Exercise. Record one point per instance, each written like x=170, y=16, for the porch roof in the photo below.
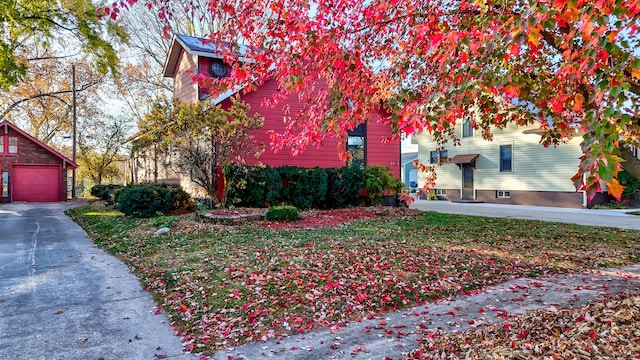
x=464, y=159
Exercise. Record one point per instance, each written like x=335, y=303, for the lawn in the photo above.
x=226, y=285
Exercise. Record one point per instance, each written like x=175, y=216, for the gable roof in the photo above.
x=4, y=124
x=197, y=46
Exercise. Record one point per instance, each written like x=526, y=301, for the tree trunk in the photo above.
x=631, y=163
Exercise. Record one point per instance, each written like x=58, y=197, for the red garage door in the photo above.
x=35, y=183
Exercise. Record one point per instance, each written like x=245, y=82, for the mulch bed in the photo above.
x=313, y=219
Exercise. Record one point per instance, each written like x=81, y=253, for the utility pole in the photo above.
x=73, y=171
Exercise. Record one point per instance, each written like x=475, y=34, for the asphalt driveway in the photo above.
x=63, y=298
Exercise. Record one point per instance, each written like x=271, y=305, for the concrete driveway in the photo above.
x=63, y=298
x=610, y=218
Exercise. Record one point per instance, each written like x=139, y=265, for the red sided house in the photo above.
x=30, y=170
x=189, y=56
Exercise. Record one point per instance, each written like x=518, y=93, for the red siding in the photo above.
x=324, y=156
x=378, y=152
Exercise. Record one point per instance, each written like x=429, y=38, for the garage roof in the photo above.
x=4, y=125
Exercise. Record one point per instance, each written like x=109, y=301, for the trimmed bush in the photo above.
x=343, y=186
x=253, y=185
x=304, y=188
x=145, y=200
x=282, y=213
x=107, y=192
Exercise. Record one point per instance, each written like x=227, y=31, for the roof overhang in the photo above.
x=208, y=50
x=462, y=159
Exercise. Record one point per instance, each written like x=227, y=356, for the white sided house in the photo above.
x=512, y=169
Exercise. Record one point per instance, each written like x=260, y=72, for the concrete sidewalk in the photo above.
x=610, y=218
x=393, y=334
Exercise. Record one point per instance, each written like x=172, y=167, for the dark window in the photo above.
x=217, y=69
x=505, y=158
x=356, y=146
x=436, y=157
x=443, y=156
x=467, y=128
x=433, y=157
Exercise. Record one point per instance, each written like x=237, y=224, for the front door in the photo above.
x=467, y=182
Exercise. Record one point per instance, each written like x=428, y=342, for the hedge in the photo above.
x=146, y=200
x=107, y=192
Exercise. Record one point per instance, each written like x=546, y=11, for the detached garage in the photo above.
x=30, y=170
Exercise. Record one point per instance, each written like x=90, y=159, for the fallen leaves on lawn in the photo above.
x=227, y=285
x=605, y=328
x=313, y=219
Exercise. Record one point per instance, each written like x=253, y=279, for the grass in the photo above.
x=637, y=213
x=232, y=285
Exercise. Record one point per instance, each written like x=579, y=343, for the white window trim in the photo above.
x=503, y=194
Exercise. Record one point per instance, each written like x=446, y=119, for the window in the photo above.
x=217, y=69
x=436, y=157
x=13, y=145
x=356, y=146
x=5, y=183
x=502, y=194
x=433, y=157
x=505, y=158
x=467, y=128
x=8, y=144
x=440, y=192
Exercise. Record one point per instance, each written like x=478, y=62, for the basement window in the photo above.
x=502, y=194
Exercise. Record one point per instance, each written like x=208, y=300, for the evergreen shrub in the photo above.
x=282, y=213
x=146, y=200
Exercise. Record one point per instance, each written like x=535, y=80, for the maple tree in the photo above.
x=204, y=137
x=571, y=66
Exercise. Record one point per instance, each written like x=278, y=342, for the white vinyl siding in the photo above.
x=534, y=167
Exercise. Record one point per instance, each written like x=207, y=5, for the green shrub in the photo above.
x=253, y=185
x=343, y=186
x=145, y=200
x=282, y=213
x=379, y=182
x=107, y=192
x=302, y=187
x=631, y=184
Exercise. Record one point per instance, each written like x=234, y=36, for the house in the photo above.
x=409, y=166
x=189, y=56
x=31, y=171
x=512, y=169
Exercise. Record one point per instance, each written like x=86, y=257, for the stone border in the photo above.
x=231, y=219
